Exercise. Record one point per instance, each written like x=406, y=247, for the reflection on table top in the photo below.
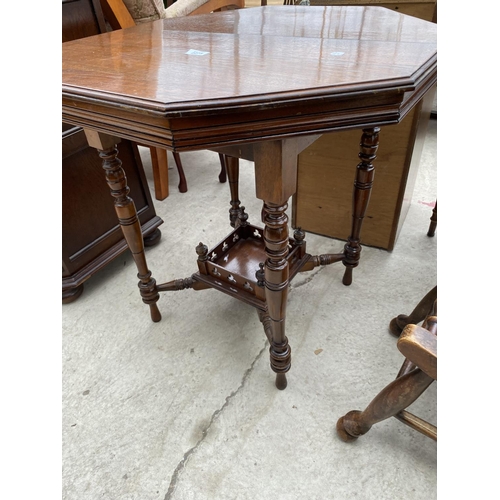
x=260, y=57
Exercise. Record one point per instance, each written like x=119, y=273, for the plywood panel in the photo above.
x=325, y=183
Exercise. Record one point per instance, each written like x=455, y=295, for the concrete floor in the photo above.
x=187, y=408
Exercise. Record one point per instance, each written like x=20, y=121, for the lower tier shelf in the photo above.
x=236, y=265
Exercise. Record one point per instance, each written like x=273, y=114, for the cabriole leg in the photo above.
x=182, y=177
x=223, y=169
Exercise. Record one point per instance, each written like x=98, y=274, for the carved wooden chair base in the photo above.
x=418, y=314
x=419, y=346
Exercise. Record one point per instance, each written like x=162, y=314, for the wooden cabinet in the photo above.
x=423, y=9
x=326, y=169
x=91, y=235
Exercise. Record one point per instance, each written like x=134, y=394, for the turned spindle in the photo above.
x=362, y=189
x=276, y=281
x=127, y=215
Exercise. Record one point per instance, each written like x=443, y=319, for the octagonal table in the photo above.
x=261, y=84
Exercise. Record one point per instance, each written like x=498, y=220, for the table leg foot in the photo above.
x=281, y=381
x=155, y=313
x=280, y=353
x=347, y=278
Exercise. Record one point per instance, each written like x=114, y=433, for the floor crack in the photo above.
x=307, y=280
x=180, y=466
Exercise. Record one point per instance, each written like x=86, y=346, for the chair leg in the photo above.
x=233, y=174
x=416, y=316
x=223, y=169
x=159, y=164
x=160, y=172
x=394, y=398
x=182, y=178
x=434, y=219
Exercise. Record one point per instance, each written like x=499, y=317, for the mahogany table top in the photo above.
x=250, y=74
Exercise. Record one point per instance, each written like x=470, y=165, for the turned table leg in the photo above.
x=361, y=196
x=127, y=215
x=275, y=182
x=276, y=286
